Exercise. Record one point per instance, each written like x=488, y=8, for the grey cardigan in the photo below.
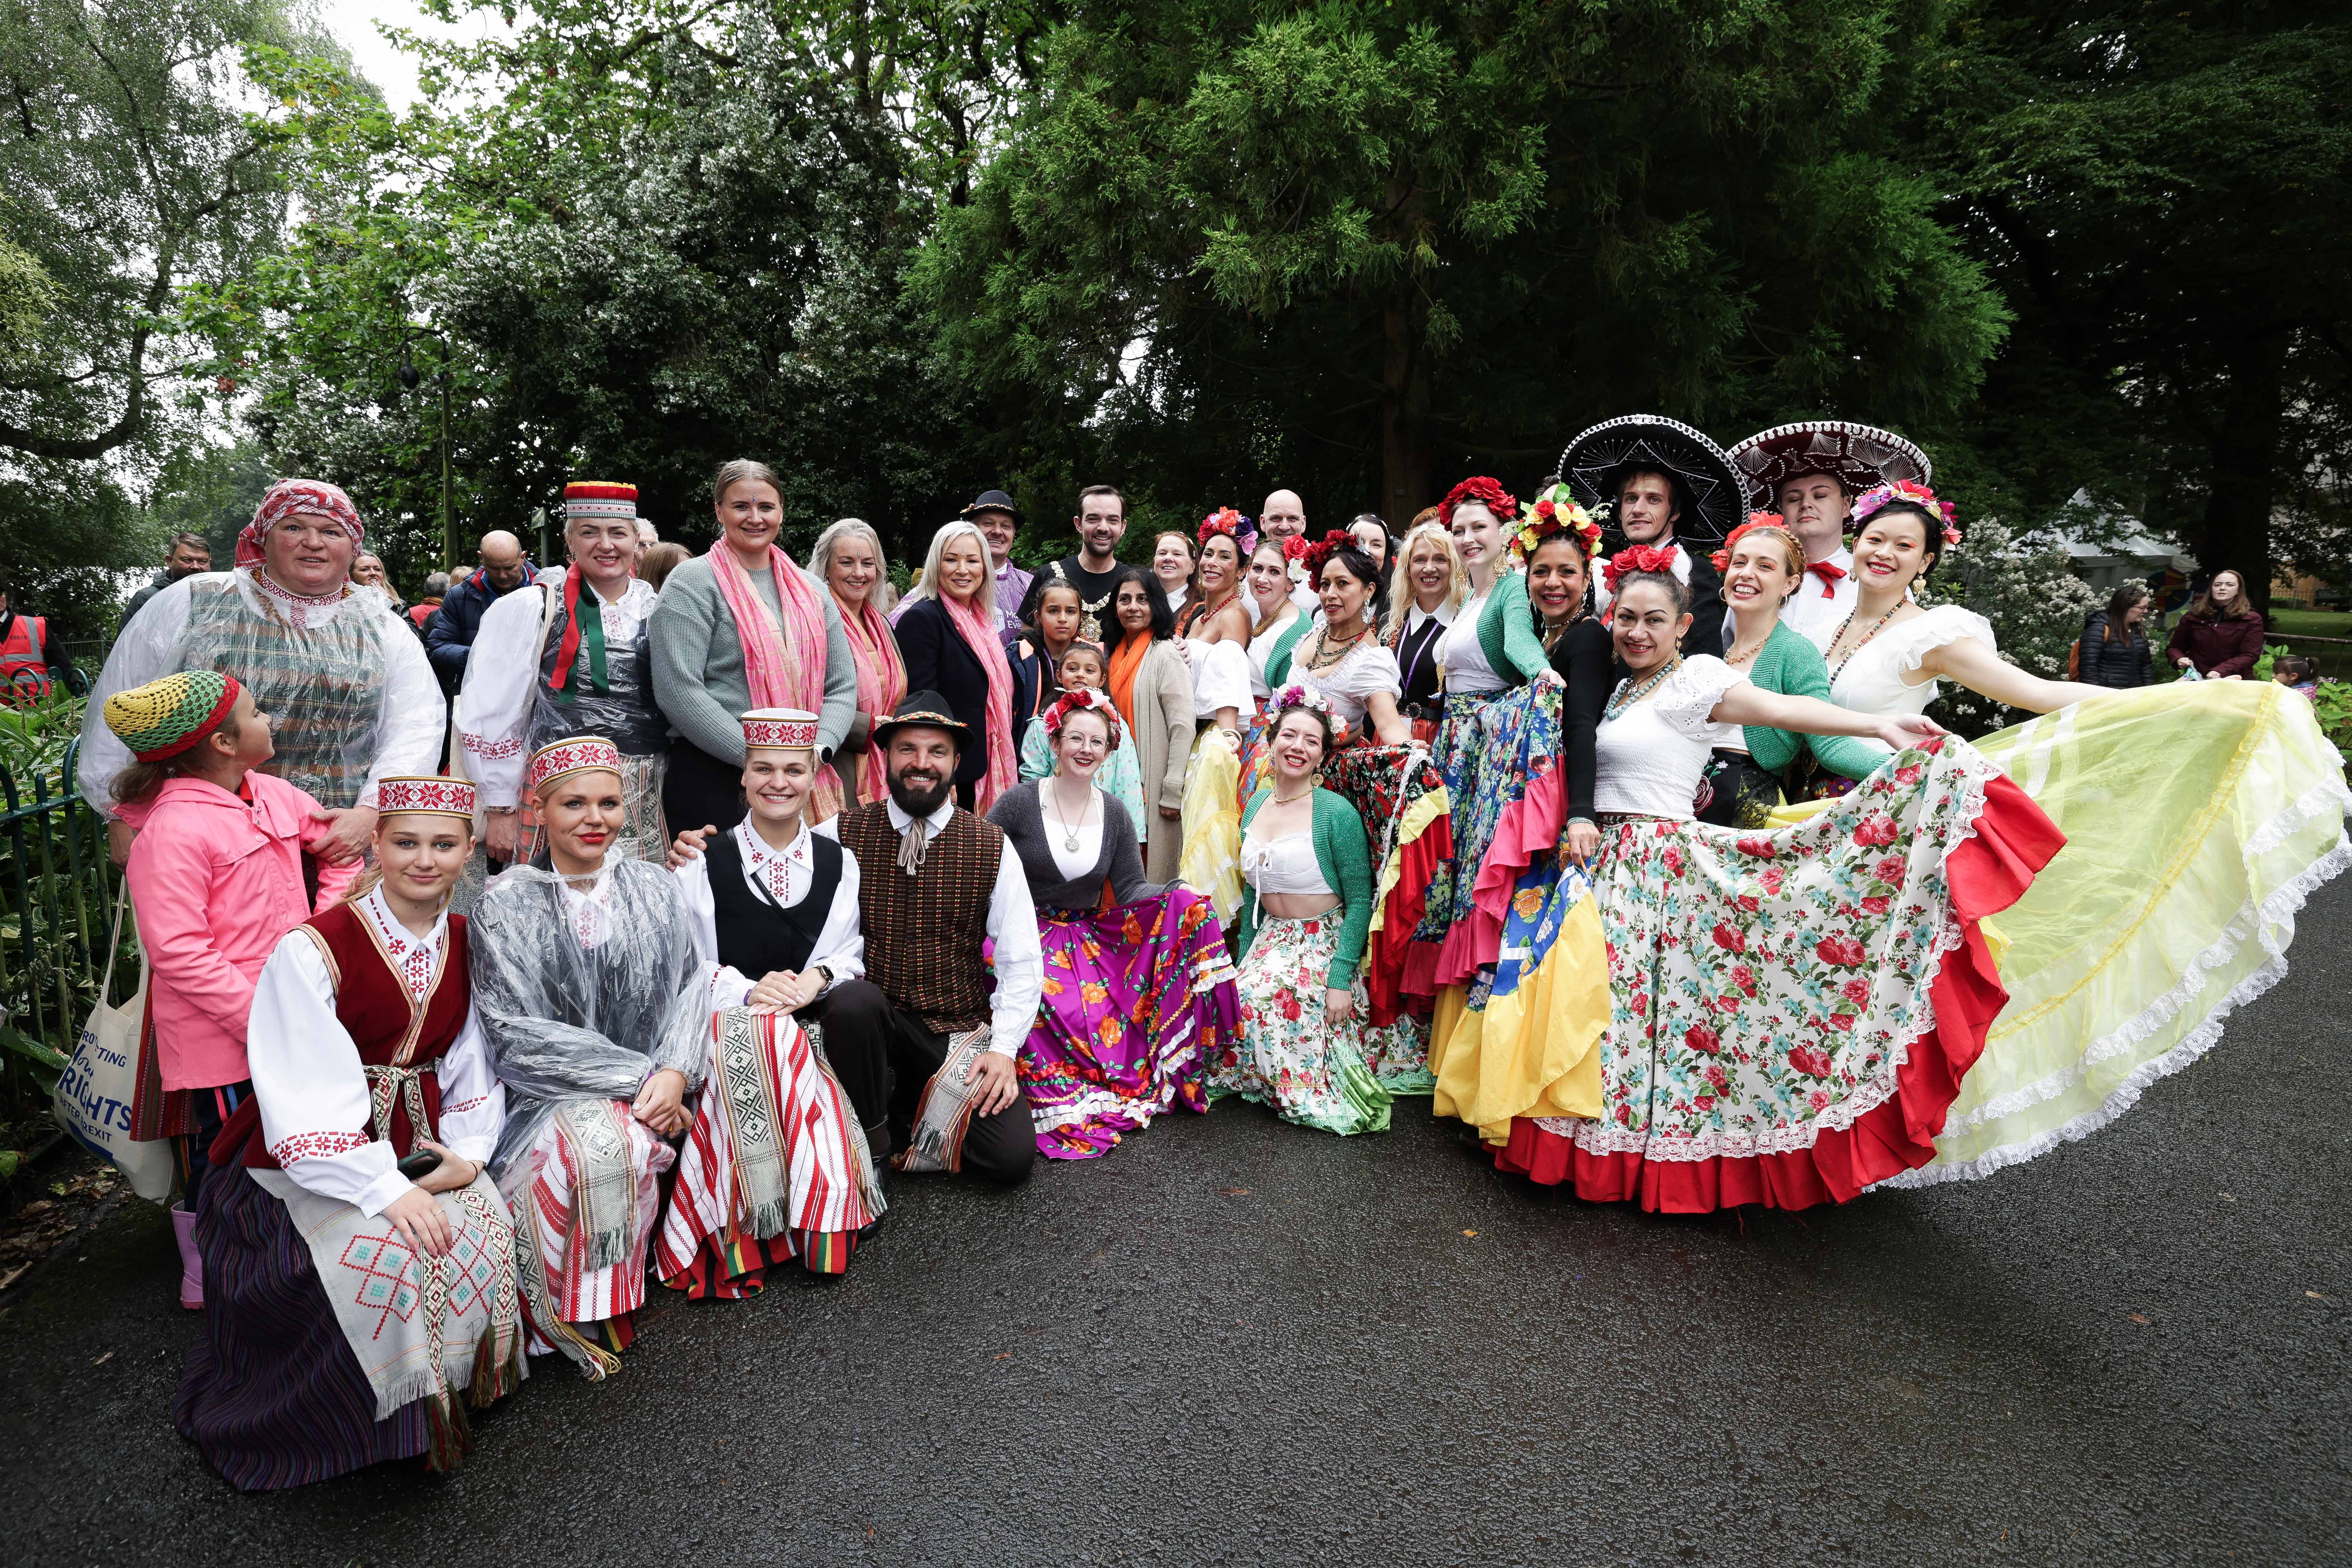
x=697, y=658
x=1021, y=814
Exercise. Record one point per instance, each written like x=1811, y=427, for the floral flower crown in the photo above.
x=1918, y=495
x=1085, y=699
x=1758, y=523
x=1487, y=492
x=1318, y=554
x=1636, y=560
x=1241, y=529
x=1556, y=511
x=1298, y=694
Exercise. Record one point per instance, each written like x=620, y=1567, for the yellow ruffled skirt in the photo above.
x=1211, y=863
x=2198, y=818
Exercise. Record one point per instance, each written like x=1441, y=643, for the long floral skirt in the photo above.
x=1138, y=1000
x=1287, y=1054
x=1490, y=753
x=1793, y=1011
x=1211, y=858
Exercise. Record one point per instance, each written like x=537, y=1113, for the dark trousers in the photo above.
x=700, y=791
x=208, y=1111
x=856, y=1021
x=999, y=1148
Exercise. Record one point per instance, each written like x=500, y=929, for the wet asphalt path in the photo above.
x=1238, y=1342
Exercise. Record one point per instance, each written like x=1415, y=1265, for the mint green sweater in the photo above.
x=1507, y=631
x=1344, y=855
x=1793, y=667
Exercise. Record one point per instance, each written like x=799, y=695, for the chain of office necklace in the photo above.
x=1626, y=698
x=1321, y=662
x=1876, y=626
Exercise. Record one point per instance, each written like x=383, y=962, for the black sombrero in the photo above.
x=1713, y=495
x=922, y=710
x=1859, y=456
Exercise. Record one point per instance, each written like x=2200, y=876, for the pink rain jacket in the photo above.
x=216, y=879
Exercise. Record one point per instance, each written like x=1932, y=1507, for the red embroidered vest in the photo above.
x=372, y=1003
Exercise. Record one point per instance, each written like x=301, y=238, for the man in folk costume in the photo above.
x=350, y=696
x=935, y=883
x=360, y=1267
x=543, y=668
x=596, y=1010
x=1810, y=473
x=779, y=1162
x=1656, y=482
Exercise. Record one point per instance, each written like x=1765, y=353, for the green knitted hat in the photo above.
x=165, y=718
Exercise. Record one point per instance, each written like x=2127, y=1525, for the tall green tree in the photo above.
x=1364, y=246
x=2164, y=194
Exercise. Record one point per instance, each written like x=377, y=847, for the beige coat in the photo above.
x=1164, y=738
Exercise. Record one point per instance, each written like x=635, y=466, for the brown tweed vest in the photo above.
x=923, y=933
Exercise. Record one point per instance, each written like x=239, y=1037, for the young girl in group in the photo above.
x=216, y=877
x=1120, y=776
x=1036, y=655
x=361, y=1265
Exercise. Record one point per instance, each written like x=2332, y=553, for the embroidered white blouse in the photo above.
x=502, y=673
x=1463, y=657
x=783, y=876
x=1365, y=671
x=312, y=1090
x=1651, y=756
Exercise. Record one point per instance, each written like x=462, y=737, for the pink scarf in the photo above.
x=777, y=678
x=881, y=682
x=1004, y=770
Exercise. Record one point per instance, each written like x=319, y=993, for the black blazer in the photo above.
x=938, y=659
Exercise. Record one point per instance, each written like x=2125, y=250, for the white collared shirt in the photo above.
x=1013, y=926
x=784, y=876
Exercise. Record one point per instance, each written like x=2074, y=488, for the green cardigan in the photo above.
x=1507, y=631
x=1277, y=658
x=1344, y=855
x=1791, y=666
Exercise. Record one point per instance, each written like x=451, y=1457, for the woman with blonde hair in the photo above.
x=948, y=635
x=1426, y=585
x=743, y=628
x=847, y=559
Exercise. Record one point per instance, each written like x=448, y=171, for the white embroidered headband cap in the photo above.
x=785, y=729
x=431, y=795
x=573, y=754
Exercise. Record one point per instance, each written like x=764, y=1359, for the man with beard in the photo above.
x=1101, y=524
x=935, y=882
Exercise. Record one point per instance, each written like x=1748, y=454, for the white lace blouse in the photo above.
x=1221, y=677
x=1369, y=669
x=1652, y=755
x=1463, y=657
x=1871, y=681
x=1284, y=865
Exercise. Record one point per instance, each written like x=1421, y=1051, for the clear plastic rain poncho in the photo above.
x=585, y=997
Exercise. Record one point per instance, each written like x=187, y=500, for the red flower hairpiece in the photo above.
x=1635, y=560
x=1295, y=547
x=1318, y=554
x=1487, y=492
x=1556, y=511
x=1755, y=521
x=1087, y=699
x=1233, y=526
x=1919, y=495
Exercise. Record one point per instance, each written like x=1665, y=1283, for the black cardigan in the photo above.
x=1585, y=658
x=938, y=659
x=1706, y=635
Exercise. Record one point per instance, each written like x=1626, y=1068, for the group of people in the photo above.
x=1614, y=822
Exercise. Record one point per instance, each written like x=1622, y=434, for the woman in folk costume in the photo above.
x=1792, y=1012
x=1085, y=667
x=362, y=1266
x=1213, y=634
x=597, y=1012
x=743, y=628
x=1501, y=1042
x=543, y=667
x=349, y=691
x=1307, y=1047
x=1277, y=625
x=2199, y=816
x=1138, y=991
x=1427, y=585
x=1377, y=767
x=778, y=1163
x=847, y=560
x=1153, y=687
x=1763, y=569
x=1810, y=472
x=948, y=633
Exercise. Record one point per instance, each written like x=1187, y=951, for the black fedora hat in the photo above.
x=922, y=710
x=992, y=500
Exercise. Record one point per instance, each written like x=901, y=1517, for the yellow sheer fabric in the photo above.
x=1212, y=859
